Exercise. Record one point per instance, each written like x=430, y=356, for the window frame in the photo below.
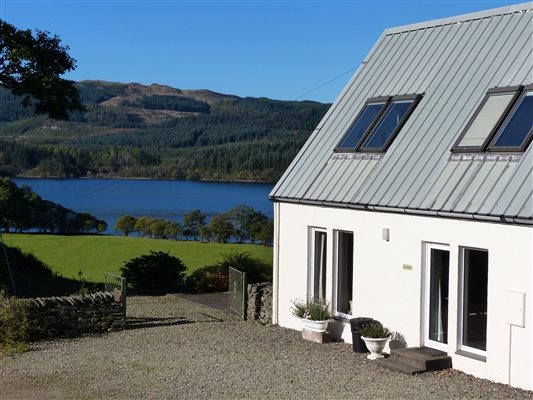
x=444, y=346
x=516, y=102
x=311, y=271
x=483, y=148
x=382, y=99
x=335, y=293
x=416, y=99
x=461, y=304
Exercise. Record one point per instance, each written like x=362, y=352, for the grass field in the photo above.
x=94, y=255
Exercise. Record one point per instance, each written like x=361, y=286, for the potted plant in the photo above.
x=314, y=313
x=375, y=336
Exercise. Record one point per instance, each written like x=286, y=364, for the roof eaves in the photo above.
x=516, y=220
x=523, y=7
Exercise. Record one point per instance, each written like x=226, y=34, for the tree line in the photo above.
x=17, y=158
x=240, y=224
x=229, y=139
x=22, y=209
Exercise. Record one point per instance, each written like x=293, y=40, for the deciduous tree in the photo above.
x=125, y=224
x=31, y=65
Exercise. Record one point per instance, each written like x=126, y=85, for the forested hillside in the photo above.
x=131, y=130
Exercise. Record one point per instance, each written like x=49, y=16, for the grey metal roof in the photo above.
x=453, y=62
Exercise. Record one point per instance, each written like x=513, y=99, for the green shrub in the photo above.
x=374, y=330
x=157, y=271
x=211, y=278
x=215, y=278
x=14, y=323
x=256, y=270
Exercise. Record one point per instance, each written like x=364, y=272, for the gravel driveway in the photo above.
x=176, y=349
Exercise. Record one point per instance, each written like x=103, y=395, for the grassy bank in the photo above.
x=94, y=255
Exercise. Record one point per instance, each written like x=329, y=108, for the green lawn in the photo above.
x=95, y=255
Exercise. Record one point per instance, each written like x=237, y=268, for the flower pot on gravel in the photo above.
x=314, y=313
x=316, y=326
x=375, y=346
x=375, y=337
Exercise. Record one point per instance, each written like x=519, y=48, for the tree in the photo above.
x=239, y=217
x=266, y=234
x=172, y=230
x=193, y=221
x=221, y=228
x=31, y=65
x=157, y=229
x=205, y=233
x=125, y=224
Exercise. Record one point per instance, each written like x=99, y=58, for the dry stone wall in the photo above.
x=77, y=314
x=260, y=302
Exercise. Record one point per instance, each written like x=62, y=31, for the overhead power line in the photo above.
x=326, y=83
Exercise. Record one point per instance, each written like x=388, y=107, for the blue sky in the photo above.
x=275, y=49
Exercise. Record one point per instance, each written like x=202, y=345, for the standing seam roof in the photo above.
x=453, y=62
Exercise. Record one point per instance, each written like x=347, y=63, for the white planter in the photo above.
x=375, y=346
x=317, y=326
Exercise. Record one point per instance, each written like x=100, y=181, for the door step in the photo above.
x=415, y=360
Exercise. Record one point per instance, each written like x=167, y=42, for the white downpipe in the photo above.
x=275, y=294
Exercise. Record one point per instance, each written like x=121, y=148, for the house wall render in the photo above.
x=388, y=278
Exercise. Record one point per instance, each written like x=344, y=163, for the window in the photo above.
x=344, y=286
x=317, y=270
x=436, y=293
x=362, y=124
x=378, y=123
x=474, y=294
x=517, y=130
x=390, y=124
x=502, y=122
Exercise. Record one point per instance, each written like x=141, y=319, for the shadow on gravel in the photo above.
x=140, y=323
x=146, y=322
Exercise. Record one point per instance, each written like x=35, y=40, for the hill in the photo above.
x=156, y=131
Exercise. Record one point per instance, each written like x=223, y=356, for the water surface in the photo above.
x=109, y=199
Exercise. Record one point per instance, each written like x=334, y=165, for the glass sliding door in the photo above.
x=437, y=291
x=317, y=272
x=474, y=296
x=344, y=272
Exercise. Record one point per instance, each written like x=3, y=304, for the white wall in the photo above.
x=386, y=291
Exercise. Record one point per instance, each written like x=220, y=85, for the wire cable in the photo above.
x=326, y=83
x=92, y=192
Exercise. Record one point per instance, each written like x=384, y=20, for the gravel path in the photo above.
x=176, y=349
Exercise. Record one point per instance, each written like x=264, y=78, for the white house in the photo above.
x=412, y=201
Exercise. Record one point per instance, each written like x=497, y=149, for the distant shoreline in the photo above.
x=141, y=179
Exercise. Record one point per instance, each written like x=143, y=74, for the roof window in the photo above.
x=502, y=122
x=516, y=131
x=363, y=122
x=377, y=124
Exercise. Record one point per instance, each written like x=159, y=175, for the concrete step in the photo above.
x=422, y=358
x=398, y=367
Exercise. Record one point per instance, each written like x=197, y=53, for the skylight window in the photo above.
x=502, y=122
x=378, y=123
x=391, y=123
x=362, y=124
x=517, y=130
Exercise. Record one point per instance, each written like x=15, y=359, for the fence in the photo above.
x=117, y=286
x=238, y=294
